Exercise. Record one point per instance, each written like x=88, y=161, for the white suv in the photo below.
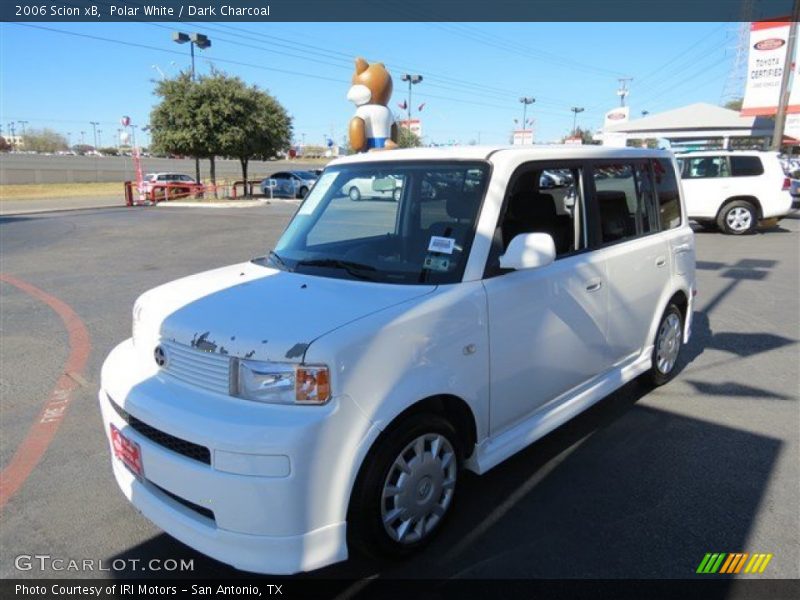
x=277, y=413
x=734, y=190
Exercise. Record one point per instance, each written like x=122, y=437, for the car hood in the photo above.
x=252, y=311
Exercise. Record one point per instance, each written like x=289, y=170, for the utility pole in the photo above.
x=623, y=90
x=575, y=110
x=526, y=100
x=202, y=42
x=788, y=67
x=24, y=138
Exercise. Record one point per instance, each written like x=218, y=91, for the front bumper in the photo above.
x=270, y=494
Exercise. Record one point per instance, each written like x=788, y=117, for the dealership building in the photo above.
x=694, y=126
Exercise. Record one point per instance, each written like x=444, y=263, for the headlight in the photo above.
x=282, y=383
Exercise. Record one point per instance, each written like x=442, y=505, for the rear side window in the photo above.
x=704, y=167
x=669, y=200
x=746, y=166
x=618, y=202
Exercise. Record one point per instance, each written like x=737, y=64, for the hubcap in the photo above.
x=419, y=488
x=739, y=219
x=668, y=343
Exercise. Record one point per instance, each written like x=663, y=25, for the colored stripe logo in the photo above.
x=733, y=563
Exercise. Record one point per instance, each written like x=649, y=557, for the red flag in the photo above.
x=402, y=105
x=421, y=106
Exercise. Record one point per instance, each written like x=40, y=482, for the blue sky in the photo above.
x=474, y=73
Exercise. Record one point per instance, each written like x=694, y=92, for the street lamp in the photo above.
x=412, y=80
x=23, y=123
x=525, y=100
x=202, y=42
x=575, y=110
x=83, y=134
x=94, y=125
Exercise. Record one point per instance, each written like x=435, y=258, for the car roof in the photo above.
x=541, y=152
x=726, y=153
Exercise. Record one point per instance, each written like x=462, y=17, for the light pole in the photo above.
x=83, y=139
x=525, y=100
x=412, y=80
x=23, y=123
x=575, y=110
x=94, y=125
x=13, y=136
x=69, y=140
x=99, y=138
x=119, y=135
x=202, y=42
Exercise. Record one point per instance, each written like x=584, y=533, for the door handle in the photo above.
x=661, y=261
x=594, y=286
x=682, y=248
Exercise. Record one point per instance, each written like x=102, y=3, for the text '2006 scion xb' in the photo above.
x=277, y=413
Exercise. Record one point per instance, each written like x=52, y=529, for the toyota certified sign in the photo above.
x=769, y=44
x=616, y=116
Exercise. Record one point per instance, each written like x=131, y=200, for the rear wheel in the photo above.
x=302, y=192
x=667, y=346
x=355, y=194
x=738, y=218
x=406, y=488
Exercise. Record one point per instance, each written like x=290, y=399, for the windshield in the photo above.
x=392, y=222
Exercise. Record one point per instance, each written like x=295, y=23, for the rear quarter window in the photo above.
x=669, y=199
x=746, y=166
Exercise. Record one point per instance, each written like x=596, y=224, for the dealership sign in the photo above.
x=617, y=116
x=766, y=61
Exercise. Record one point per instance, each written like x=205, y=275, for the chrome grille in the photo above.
x=207, y=370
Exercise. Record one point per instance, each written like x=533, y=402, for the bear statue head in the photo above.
x=372, y=84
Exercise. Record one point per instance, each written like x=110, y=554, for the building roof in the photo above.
x=694, y=120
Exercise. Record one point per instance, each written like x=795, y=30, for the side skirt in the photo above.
x=495, y=450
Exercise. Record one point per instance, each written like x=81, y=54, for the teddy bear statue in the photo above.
x=373, y=126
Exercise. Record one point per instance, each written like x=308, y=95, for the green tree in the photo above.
x=407, y=138
x=43, y=140
x=735, y=104
x=248, y=123
x=174, y=123
x=585, y=134
x=4, y=145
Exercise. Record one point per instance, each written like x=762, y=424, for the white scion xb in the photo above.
x=277, y=413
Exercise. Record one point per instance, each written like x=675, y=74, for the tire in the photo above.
x=397, y=194
x=355, y=194
x=707, y=225
x=738, y=218
x=425, y=494
x=666, y=347
x=302, y=192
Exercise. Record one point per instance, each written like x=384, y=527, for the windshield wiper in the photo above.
x=353, y=268
x=273, y=256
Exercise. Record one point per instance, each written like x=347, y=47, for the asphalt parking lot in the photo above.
x=640, y=486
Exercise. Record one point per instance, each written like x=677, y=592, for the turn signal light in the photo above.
x=312, y=384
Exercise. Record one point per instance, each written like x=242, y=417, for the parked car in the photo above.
x=171, y=185
x=281, y=413
x=734, y=190
x=291, y=184
x=365, y=188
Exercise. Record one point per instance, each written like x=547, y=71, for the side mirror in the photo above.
x=529, y=251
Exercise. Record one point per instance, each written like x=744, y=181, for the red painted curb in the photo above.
x=44, y=429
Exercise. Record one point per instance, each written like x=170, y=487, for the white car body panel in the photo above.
x=279, y=477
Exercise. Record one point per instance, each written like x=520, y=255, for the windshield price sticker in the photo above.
x=442, y=245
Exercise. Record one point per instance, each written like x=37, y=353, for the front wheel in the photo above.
x=355, y=194
x=302, y=192
x=667, y=346
x=406, y=488
x=738, y=218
